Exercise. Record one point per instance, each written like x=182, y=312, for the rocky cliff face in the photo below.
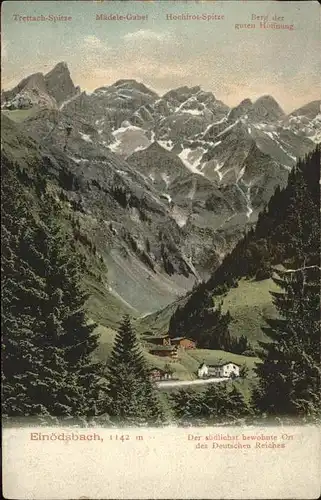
x=44, y=91
x=59, y=84
x=165, y=185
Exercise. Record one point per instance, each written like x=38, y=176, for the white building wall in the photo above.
x=203, y=371
x=215, y=372
x=222, y=371
x=231, y=369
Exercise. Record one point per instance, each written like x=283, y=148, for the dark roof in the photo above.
x=159, y=370
x=157, y=337
x=182, y=338
x=163, y=348
x=223, y=364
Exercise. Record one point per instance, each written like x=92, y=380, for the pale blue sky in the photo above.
x=232, y=63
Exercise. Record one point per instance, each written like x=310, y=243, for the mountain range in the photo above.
x=164, y=186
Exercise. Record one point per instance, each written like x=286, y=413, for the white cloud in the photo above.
x=146, y=35
x=93, y=42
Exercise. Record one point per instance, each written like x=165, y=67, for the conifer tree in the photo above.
x=236, y=406
x=215, y=402
x=33, y=374
x=214, y=405
x=133, y=399
x=202, y=321
x=188, y=407
x=289, y=376
x=47, y=365
x=21, y=291
x=67, y=328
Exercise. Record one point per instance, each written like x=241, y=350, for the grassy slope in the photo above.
x=18, y=115
x=157, y=323
x=185, y=367
x=213, y=357
x=103, y=307
x=248, y=304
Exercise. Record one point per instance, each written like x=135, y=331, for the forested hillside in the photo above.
x=49, y=367
x=47, y=340
x=275, y=241
x=285, y=245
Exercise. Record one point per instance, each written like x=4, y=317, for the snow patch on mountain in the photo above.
x=166, y=144
x=166, y=178
x=140, y=148
x=269, y=134
x=240, y=174
x=122, y=172
x=217, y=169
x=222, y=120
x=134, y=214
x=192, y=192
x=285, y=151
x=189, y=100
x=249, y=209
x=247, y=195
x=85, y=137
x=78, y=160
x=316, y=137
x=129, y=139
x=194, y=112
x=228, y=128
x=67, y=101
x=191, y=159
x=180, y=216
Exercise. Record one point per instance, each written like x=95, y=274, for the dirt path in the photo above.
x=185, y=383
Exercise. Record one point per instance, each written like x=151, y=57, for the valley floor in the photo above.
x=185, y=367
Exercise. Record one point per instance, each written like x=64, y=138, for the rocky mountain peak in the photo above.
x=36, y=80
x=181, y=94
x=266, y=99
x=245, y=103
x=175, y=179
x=31, y=91
x=61, y=66
x=245, y=107
x=134, y=85
x=59, y=83
x=45, y=91
x=310, y=110
x=267, y=107
x=264, y=109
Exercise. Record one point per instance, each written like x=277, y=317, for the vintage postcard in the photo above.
x=160, y=200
